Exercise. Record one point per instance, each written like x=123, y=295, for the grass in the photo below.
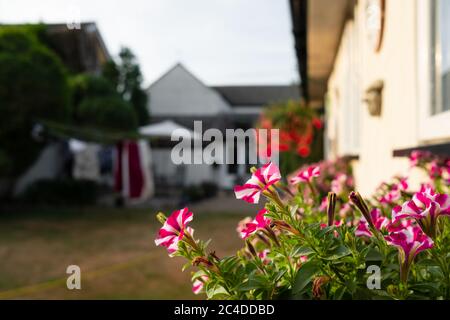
x=113, y=247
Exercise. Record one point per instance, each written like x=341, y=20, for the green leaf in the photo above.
x=431, y=288
x=339, y=293
x=304, y=276
x=339, y=252
x=427, y=262
x=302, y=251
x=254, y=282
x=185, y=266
x=279, y=275
x=198, y=274
x=293, y=211
x=217, y=292
x=373, y=255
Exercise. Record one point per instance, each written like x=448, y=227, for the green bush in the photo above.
x=209, y=189
x=194, y=193
x=109, y=113
x=62, y=192
x=33, y=85
x=201, y=191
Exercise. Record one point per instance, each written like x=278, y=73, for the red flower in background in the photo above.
x=304, y=151
x=317, y=123
x=297, y=124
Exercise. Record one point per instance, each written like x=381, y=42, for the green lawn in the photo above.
x=113, y=247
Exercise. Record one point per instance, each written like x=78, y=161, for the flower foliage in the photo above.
x=308, y=244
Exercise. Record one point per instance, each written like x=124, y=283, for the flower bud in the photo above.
x=263, y=239
x=331, y=207
x=280, y=224
x=359, y=202
x=161, y=217
x=251, y=248
x=317, y=287
x=201, y=261
x=214, y=256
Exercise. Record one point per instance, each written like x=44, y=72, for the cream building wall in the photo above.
x=352, y=130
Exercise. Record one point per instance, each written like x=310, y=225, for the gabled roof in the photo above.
x=258, y=95
x=179, y=92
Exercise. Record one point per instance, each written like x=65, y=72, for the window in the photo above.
x=441, y=55
x=433, y=57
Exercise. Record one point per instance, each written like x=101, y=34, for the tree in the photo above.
x=127, y=79
x=96, y=104
x=33, y=85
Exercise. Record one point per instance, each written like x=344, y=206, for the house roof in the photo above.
x=179, y=92
x=317, y=28
x=257, y=96
x=81, y=50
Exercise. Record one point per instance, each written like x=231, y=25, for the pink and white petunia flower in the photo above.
x=380, y=222
x=395, y=192
x=199, y=283
x=174, y=229
x=410, y=241
x=425, y=207
x=263, y=256
x=398, y=224
x=338, y=183
x=260, y=222
x=260, y=181
x=306, y=175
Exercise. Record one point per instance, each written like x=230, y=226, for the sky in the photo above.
x=222, y=42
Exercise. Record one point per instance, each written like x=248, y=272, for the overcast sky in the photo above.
x=220, y=41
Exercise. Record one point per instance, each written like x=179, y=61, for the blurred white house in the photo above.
x=181, y=97
x=381, y=70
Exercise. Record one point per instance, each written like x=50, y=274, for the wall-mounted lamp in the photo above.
x=374, y=97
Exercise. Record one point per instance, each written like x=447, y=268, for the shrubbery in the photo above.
x=199, y=192
x=33, y=84
x=62, y=192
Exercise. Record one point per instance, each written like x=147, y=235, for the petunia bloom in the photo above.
x=260, y=181
x=417, y=156
x=395, y=192
x=425, y=207
x=199, y=283
x=263, y=256
x=260, y=222
x=174, y=229
x=306, y=175
x=380, y=222
x=398, y=224
x=338, y=183
x=242, y=223
x=409, y=241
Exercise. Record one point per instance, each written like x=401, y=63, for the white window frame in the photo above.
x=431, y=126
